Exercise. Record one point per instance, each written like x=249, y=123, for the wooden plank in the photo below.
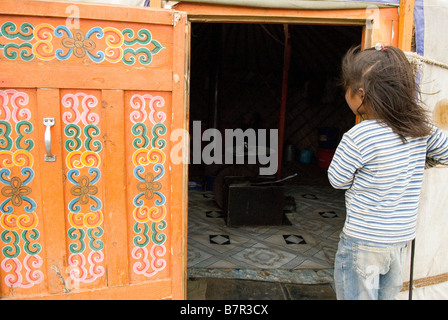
x=217, y=13
x=140, y=291
x=83, y=78
x=427, y=281
x=96, y=11
x=281, y=125
x=366, y=41
x=84, y=219
x=386, y=33
x=155, y=4
x=115, y=178
x=52, y=182
x=406, y=24
x=179, y=172
x=149, y=204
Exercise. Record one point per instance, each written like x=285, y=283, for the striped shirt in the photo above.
x=383, y=177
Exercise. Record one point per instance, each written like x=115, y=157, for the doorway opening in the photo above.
x=236, y=81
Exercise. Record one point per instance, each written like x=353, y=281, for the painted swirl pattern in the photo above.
x=83, y=170
x=20, y=262
x=47, y=42
x=149, y=201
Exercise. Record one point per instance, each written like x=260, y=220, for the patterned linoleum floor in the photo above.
x=309, y=242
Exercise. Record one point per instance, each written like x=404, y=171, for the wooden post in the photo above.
x=179, y=172
x=115, y=179
x=281, y=125
x=405, y=24
x=155, y=3
x=51, y=178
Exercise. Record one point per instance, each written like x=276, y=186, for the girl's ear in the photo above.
x=361, y=93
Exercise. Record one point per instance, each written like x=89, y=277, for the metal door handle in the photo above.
x=48, y=122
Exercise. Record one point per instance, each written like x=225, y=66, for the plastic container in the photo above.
x=305, y=156
x=324, y=157
x=195, y=185
x=289, y=156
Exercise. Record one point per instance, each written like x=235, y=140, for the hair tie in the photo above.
x=380, y=47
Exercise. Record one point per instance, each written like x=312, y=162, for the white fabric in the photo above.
x=431, y=252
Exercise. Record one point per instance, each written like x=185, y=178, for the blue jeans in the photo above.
x=367, y=270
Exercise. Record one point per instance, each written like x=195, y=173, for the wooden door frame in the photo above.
x=392, y=26
x=378, y=26
x=179, y=172
x=404, y=15
x=384, y=29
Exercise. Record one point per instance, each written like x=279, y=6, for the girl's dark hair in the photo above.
x=391, y=91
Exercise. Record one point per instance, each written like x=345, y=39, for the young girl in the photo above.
x=380, y=162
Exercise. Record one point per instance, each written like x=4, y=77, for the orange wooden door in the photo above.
x=91, y=204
